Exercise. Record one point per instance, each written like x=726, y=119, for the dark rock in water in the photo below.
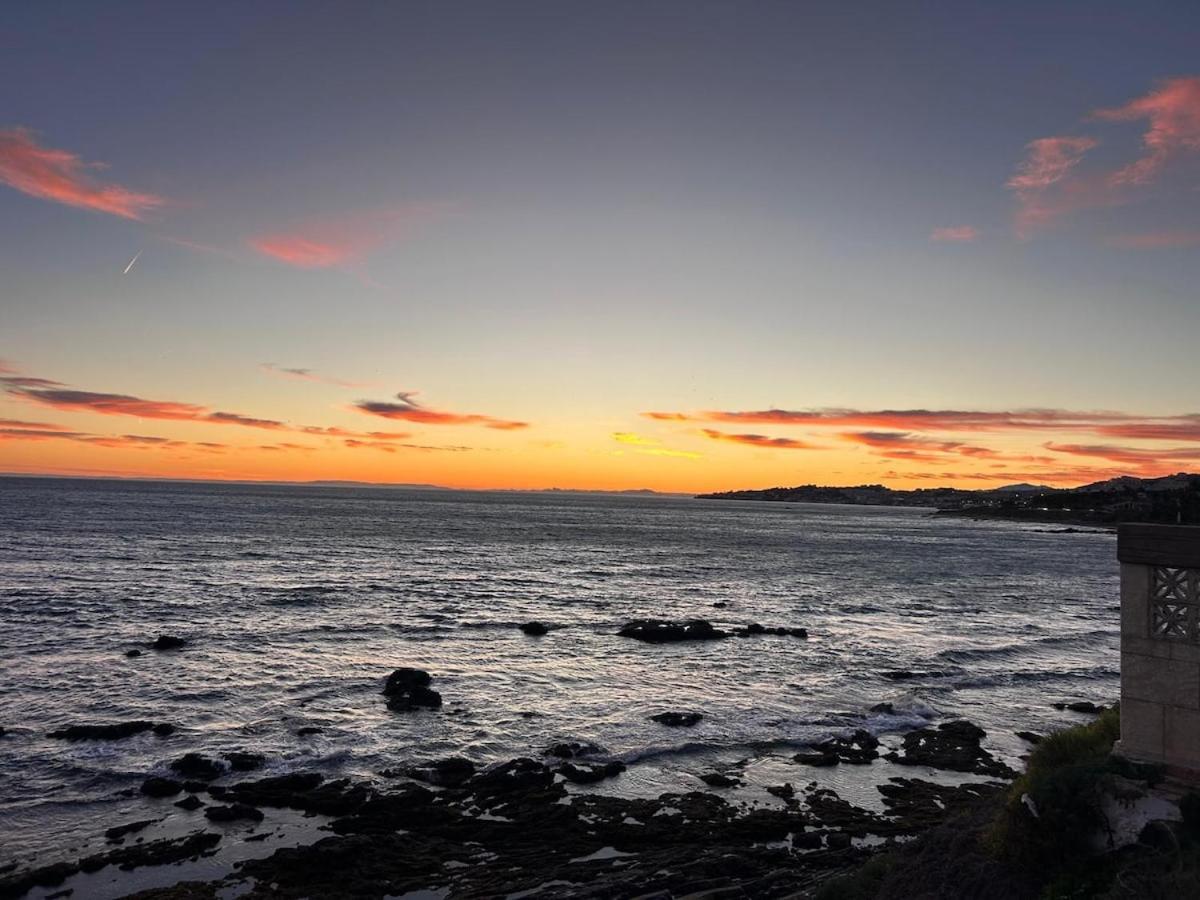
x=241, y=761
x=859, y=748
x=677, y=719
x=153, y=853
x=307, y=730
x=198, y=767
x=45, y=876
x=305, y=791
x=191, y=802
x=719, y=779
x=1030, y=737
x=535, y=629
x=113, y=732
x=817, y=759
x=167, y=642
x=782, y=791
x=837, y=840
x=518, y=775
x=130, y=654
x=572, y=749
x=118, y=833
x=720, y=604
x=408, y=689
x=953, y=746
x=194, y=787
x=232, y=813
x=886, y=709
x=585, y=774
x=154, y=786
x=3, y=732
x=909, y=675
x=1081, y=706
x=659, y=631
x=383, y=814
x=919, y=804
x=449, y=772
x=755, y=629
x=163, y=729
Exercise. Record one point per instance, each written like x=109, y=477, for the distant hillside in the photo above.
x=1171, y=499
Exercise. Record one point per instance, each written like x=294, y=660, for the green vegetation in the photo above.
x=1051, y=854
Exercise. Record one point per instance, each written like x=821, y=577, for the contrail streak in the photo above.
x=131, y=262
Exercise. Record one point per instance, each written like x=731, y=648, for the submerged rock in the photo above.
x=408, y=689
x=155, y=786
x=131, y=654
x=197, y=766
x=590, y=774
x=167, y=642
x=660, y=631
x=449, y=772
x=535, y=629
x=111, y=732
x=119, y=832
x=755, y=629
x=571, y=749
x=859, y=748
x=308, y=730
x=233, y=813
x=1031, y=737
x=677, y=719
x=719, y=780
x=191, y=802
x=305, y=791
x=241, y=761
x=1081, y=706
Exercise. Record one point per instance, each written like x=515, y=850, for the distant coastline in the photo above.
x=1172, y=499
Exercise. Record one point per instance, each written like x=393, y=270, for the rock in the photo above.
x=118, y=832
x=307, y=730
x=305, y=791
x=3, y=732
x=535, y=629
x=167, y=642
x=1030, y=737
x=755, y=629
x=859, y=748
x=720, y=604
x=782, y=791
x=572, y=749
x=586, y=774
x=953, y=746
x=198, y=767
x=719, y=780
x=241, y=761
x=113, y=732
x=817, y=759
x=677, y=719
x=408, y=689
x=154, y=786
x=162, y=729
x=659, y=631
x=233, y=813
x=130, y=654
x=191, y=802
x=886, y=709
x=153, y=853
x=449, y=772
x=518, y=775
x=194, y=787
x=837, y=840
x=909, y=675
x=1081, y=706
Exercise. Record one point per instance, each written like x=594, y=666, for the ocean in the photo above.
x=297, y=601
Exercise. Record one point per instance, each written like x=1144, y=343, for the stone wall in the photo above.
x=1160, y=645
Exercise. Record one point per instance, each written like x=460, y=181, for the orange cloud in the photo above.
x=1147, y=460
x=956, y=234
x=336, y=241
x=1173, y=112
x=1155, y=240
x=61, y=176
x=911, y=419
x=758, y=440
x=139, y=441
x=410, y=410
x=19, y=423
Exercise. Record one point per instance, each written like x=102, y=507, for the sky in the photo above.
x=684, y=246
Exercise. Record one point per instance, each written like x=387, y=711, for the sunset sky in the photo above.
x=675, y=245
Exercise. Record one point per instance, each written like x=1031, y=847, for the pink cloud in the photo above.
x=1043, y=184
x=337, y=241
x=61, y=176
x=409, y=410
x=1158, y=240
x=955, y=234
x=1173, y=112
x=758, y=440
x=309, y=375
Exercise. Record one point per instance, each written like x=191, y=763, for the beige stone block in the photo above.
x=1143, y=729
x=1182, y=737
x=1169, y=681
x=1135, y=600
x=1145, y=646
x=1185, y=652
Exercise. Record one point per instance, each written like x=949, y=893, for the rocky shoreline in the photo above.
x=526, y=827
